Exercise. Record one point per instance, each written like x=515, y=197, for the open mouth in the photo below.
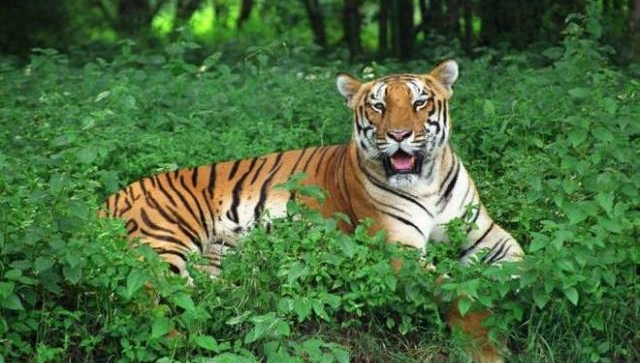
x=401, y=163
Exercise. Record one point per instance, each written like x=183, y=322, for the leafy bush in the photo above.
x=553, y=150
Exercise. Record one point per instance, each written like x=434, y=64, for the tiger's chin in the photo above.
x=403, y=180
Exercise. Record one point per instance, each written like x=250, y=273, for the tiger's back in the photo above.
x=205, y=209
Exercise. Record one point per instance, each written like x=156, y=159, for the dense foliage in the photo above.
x=554, y=151
x=402, y=29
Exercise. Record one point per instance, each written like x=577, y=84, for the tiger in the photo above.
x=398, y=169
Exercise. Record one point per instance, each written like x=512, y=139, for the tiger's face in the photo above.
x=401, y=121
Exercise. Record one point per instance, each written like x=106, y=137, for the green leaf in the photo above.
x=207, y=342
x=541, y=300
x=572, y=294
x=296, y=270
x=72, y=274
x=12, y=301
x=184, y=301
x=579, y=92
x=605, y=200
x=318, y=308
x=464, y=305
x=160, y=327
x=135, y=281
x=538, y=242
x=229, y=358
x=488, y=109
x=43, y=263
x=302, y=307
x=391, y=282
x=6, y=288
x=87, y=155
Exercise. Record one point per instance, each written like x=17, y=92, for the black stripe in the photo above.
x=163, y=190
x=180, y=194
x=194, y=176
x=186, y=228
x=257, y=211
x=212, y=217
x=147, y=221
x=447, y=193
x=306, y=164
x=212, y=180
x=203, y=221
x=496, y=251
x=464, y=199
x=255, y=176
x=176, y=219
x=170, y=239
x=477, y=242
x=295, y=166
x=232, y=213
x=321, y=158
x=131, y=226
x=234, y=169
x=405, y=221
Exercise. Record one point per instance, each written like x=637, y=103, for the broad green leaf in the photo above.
x=207, y=342
x=229, y=358
x=135, y=281
x=43, y=263
x=541, y=300
x=12, y=301
x=6, y=288
x=605, y=200
x=538, y=242
x=184, y=301
x=72, y=274
x=302, y=307
x=161, y=326
x=572, y=294
x=296, y=270
x=579, y=92
x=464, y=305
x=87, y=154
x=488, y=109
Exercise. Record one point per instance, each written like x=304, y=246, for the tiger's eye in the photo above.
x=378, y=106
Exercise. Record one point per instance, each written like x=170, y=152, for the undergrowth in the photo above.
x=553, y=150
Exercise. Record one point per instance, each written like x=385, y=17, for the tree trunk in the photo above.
x=467, y=13
x=245, y=13
x=383, y=27
x=351, y=26
x=185, y=9
x=634, y=16
x=221, y=11
x=134, y=17
x=402, y=28
x=425, y=19
x=452, y=17
x=316, y=20
x=634, y=27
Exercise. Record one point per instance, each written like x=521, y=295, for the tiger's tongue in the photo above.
x=401, y=161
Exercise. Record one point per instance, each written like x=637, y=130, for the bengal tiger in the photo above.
x=398, y=169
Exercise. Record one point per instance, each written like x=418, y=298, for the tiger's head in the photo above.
x=401, y=121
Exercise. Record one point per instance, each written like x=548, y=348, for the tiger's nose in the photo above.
x=399, y=135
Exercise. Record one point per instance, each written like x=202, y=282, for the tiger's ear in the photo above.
x=446, y=73
x=348, y=86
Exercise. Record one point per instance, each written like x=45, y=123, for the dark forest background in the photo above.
x=352, y=29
